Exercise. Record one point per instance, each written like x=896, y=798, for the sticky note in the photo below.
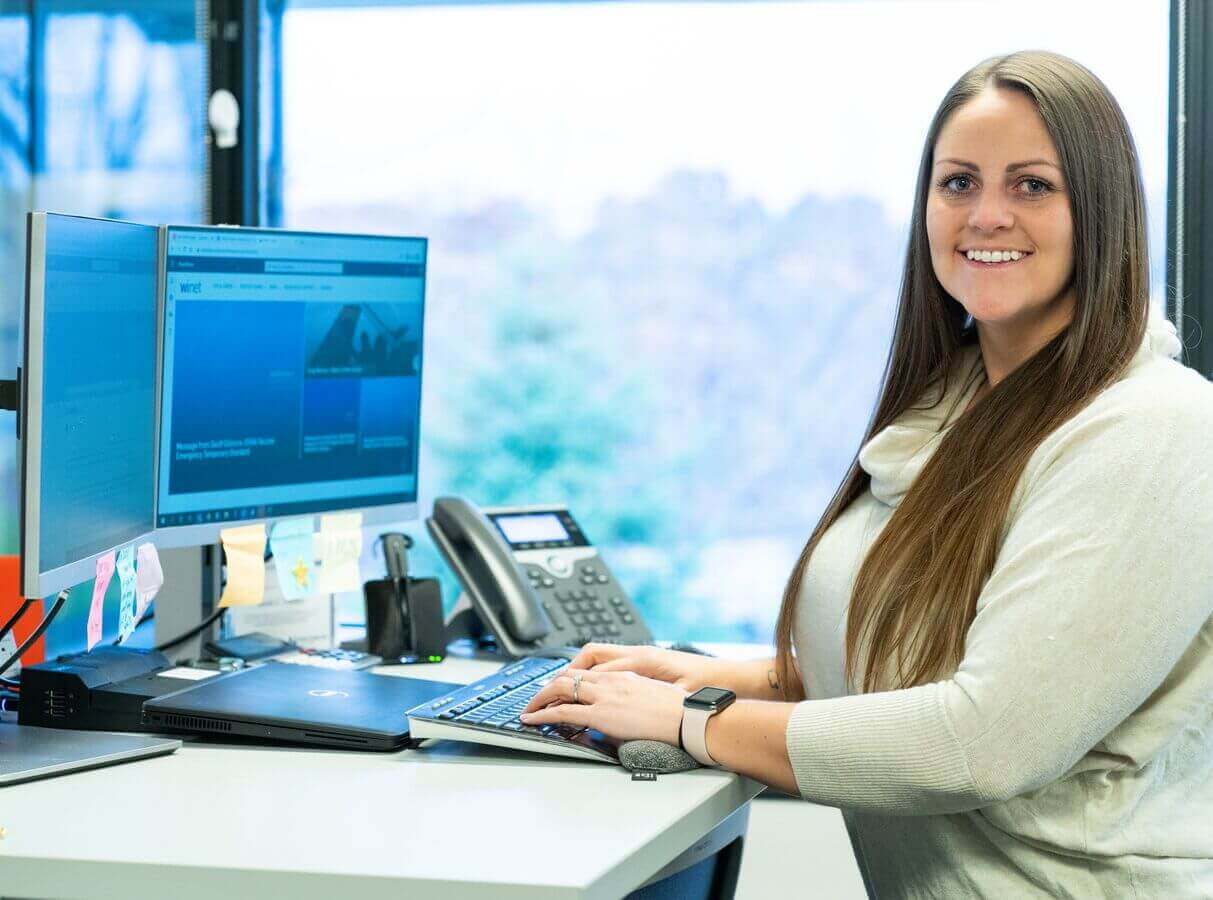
x=126, y=578
x=340, y=541
x=149, y=578
x=101, y=583
x=244, y=548
x=294, y=557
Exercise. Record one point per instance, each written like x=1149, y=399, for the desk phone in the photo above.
x=533, y=577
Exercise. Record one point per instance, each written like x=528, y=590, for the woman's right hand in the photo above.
x=689, y=671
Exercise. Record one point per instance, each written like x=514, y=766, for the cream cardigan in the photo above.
x=1071, y=753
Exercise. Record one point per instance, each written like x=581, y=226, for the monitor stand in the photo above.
x=28, y=753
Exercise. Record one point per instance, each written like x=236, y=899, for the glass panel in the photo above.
x=14, y=196
x=666, y=245
x=123, y=101
x=119, y=100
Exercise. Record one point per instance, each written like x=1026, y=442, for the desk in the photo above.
x=451, y=820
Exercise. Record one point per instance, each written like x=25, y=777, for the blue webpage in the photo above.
x=292, y=373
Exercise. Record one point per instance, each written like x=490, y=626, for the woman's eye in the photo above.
x=959, y=184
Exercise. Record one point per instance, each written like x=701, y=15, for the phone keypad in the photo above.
x=586, y=605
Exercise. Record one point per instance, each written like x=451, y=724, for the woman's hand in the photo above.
x=689, y=671
x=622, y=705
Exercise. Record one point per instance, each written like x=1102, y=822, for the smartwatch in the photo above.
x=696, y=710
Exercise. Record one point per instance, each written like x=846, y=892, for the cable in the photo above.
x=201, y=626
x=8, y=626
x=38, y=632
x=10, y=684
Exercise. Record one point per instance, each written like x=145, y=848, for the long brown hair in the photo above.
x=916, y=591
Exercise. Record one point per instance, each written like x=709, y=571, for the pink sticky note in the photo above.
x=149, y=578
x=105, y=571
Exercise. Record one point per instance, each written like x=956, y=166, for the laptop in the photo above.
x=28, y=753
x=300, y=704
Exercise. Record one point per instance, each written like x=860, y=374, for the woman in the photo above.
x=995, y=653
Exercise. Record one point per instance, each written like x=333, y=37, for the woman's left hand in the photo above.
x=622, y=705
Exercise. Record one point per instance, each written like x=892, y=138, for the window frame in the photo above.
x=1190, y=182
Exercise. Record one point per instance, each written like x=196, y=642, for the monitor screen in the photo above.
x=88, y=406
x=291, y=376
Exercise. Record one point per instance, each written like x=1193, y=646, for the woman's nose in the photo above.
x=991, y=212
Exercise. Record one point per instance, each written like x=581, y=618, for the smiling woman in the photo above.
x=999, y=224
x=993, y=654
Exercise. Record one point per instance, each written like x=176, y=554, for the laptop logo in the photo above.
x=322, y=693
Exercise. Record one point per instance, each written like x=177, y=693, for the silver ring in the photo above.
x=576, y=686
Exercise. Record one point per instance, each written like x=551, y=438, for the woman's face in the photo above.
x=997, y=186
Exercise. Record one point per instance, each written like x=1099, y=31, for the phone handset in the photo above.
x=489, y=568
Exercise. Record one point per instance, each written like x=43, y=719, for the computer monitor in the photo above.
x=290, y=377
x=86, y=428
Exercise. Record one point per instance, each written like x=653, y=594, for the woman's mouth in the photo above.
x=978, y=264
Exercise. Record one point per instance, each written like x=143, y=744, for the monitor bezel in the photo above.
x=34, y=581
x=199, y=534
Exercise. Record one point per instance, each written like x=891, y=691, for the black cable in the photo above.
x=42, y=626
x=8, y=626
x=10, y=684
x=201, y=626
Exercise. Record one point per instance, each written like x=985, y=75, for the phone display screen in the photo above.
x=532, y=528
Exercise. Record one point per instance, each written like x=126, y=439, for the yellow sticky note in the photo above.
x=244, y=548
x=340, y=544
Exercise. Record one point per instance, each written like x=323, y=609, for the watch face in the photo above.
x=710, y=698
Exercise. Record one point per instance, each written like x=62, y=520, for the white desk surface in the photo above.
x=448, y=820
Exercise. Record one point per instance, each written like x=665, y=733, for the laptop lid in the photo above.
x=307, y=697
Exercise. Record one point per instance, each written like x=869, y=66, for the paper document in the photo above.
x=105, y=571
x=126, y=578
x=149, y=578
x=340, y=541
x=294, y=557
x=244, y=548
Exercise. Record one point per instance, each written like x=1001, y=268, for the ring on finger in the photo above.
x=576, y=687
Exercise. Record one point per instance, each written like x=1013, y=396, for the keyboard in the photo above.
x=486, y=712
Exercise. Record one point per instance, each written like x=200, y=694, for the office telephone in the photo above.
x=533, y=577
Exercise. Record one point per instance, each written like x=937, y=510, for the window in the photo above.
x=100, y=115
x=14, y=194
x=666, y=241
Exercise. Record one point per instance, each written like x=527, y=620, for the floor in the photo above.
x=783, y=836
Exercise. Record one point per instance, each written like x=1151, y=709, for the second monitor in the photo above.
x=291, y=377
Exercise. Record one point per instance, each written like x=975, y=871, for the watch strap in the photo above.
x=694, y=734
